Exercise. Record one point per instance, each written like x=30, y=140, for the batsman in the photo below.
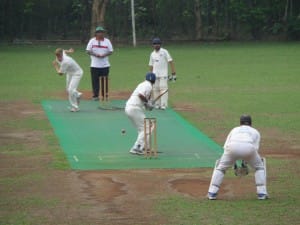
x=242, y=143
x=134, y=109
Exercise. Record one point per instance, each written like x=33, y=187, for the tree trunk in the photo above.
x=98, y=13
x=198, y=24
x=285, y=16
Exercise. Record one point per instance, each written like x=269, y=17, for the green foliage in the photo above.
x=294, y=28
x=169, y=19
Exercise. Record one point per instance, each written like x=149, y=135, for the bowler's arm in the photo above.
x=56, y=67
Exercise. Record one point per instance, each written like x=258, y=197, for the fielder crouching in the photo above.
x=242, y=143
x=134, y=109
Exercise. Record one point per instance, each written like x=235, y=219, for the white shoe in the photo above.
x=212, y=196
x=262, y=196
x=136, y=151
x=73, y=109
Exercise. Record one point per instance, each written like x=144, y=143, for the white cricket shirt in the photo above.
x=243, y=134
x=159, y=60
x=99, y=47
x=145, y=89
x=69, y=66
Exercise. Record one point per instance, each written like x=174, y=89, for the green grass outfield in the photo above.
x=220, y=81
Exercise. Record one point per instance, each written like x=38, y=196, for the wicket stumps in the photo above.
x=104, y=87
x=150, y=137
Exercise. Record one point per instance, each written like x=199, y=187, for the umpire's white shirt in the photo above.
x=69, y=66
x=144, y=89
x=159, y=60
x=99, y=47
x=243, y=134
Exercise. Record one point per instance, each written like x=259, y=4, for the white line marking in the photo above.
x=197, y=156
x=75, y=158
x=99, y=157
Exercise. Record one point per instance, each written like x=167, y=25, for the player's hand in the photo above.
x=172, y=78
x=149, y=105
x=241, y=170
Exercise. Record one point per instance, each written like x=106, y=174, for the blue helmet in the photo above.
x=151, y=77
x=156, y=41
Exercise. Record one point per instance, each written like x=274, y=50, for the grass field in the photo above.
x=217, y=82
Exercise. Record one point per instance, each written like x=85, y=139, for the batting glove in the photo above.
x=149, y=106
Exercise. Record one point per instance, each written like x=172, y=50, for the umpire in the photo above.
x=99, y=48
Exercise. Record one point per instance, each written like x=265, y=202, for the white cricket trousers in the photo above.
x=136, y=115
x=161, y=85
x=238, y=151
x=72, y=82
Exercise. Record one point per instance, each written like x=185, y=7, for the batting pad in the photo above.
x=92, y=138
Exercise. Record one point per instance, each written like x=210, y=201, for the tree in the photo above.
x=98, y=14
x=198, y=20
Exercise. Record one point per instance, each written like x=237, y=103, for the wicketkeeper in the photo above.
x=135, y=110
x=242, y=143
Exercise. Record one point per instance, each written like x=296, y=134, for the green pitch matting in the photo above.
x=92, y=138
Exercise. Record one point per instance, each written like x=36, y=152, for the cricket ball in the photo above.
x=123, y=131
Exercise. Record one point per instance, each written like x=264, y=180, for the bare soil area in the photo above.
x=101, y=197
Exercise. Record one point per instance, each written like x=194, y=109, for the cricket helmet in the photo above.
x=245, y=120
x=150, y=77
x=156, y=41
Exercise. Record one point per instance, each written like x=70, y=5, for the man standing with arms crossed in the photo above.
x=158, y=64
x=99, y=48
x=242, y=143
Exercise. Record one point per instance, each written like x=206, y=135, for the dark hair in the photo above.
x=245, y=120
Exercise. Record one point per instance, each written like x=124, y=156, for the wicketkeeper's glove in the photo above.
x=242, y=170
x=173, y=77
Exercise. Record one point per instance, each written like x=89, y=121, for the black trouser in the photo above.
x=95, y=74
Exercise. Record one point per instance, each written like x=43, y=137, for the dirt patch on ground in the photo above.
x=99, y=197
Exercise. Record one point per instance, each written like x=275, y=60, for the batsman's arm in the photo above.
x=56, y=67
x=143, y=98
x=148, y=104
